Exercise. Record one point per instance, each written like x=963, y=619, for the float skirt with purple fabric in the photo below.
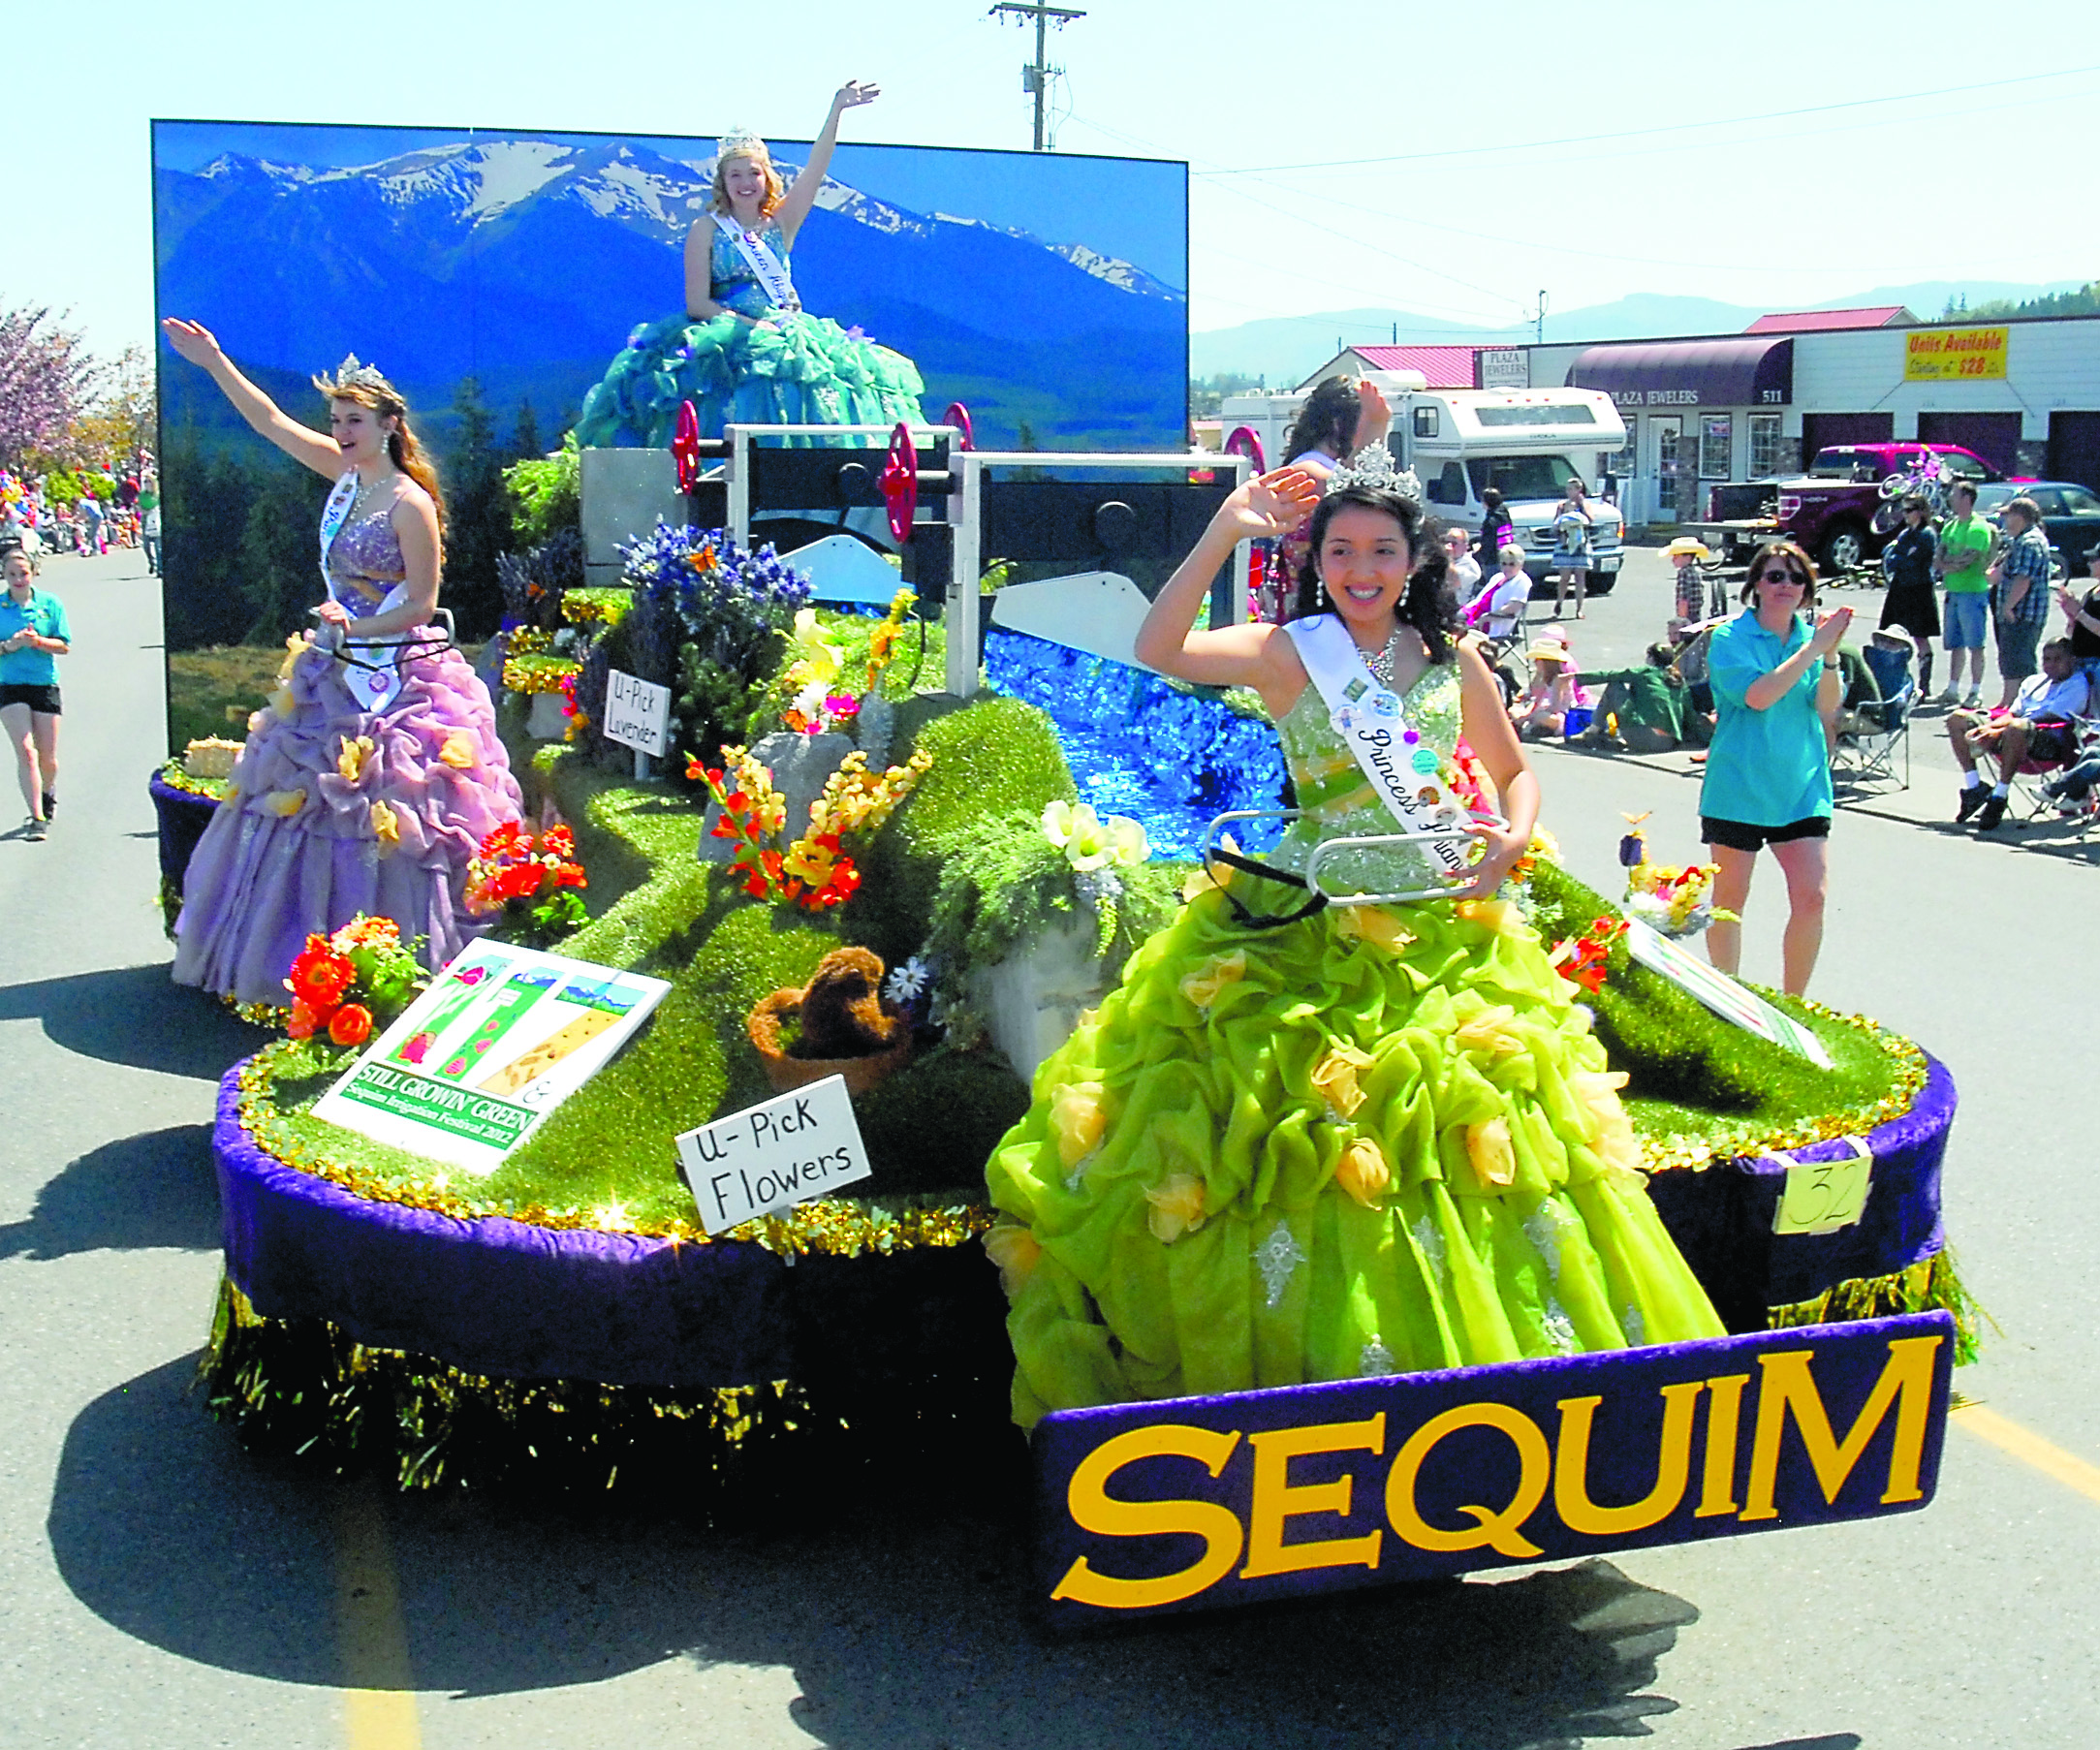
x=335, y=811
x=510, y=1300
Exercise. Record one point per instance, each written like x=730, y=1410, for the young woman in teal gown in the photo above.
x=744, y=350
x=1379, y=1139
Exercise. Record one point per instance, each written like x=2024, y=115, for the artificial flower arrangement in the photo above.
x=1581, y=960
x=815, y=701
x=532, y=664
x=1675, y=901
x=350, y=984
x=1095, y=850
x=532, y=882
x=814, y=871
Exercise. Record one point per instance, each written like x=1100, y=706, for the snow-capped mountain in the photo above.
x=527, y=261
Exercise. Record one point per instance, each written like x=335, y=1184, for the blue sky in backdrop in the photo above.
x=1448, y=161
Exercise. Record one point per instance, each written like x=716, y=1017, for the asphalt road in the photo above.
x=159, y=1588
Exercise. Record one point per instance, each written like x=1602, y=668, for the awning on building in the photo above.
x=1747, y=371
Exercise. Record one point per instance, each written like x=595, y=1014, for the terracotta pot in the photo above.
x=787, y=1072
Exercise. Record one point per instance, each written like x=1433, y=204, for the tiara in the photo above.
x=740, y=143
x=1372, y=466
x=350, y=374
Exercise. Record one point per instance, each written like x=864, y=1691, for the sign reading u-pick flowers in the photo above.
x=503, y=1036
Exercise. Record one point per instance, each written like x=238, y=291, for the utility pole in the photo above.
x=1539, y=316
x=1036, y=76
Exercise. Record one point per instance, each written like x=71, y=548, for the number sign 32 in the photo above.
x=1822, y=1197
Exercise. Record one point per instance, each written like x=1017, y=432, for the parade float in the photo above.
x=911, y=890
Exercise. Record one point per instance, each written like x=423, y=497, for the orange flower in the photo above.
x=1016, y=1251
x=1362, y=1171
x=1336, y=1078
x=352, y=1025
x=303, y=1021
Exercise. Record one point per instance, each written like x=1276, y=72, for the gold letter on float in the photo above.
x=1495, y=1530
x=1724, y=1417
x=1673, y=1466
x=1906, y=1382
x=1276, y=1500
x=1093, y=1509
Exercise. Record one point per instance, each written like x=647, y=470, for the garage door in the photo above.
x=1819, y=430
x=1993, y=436
x=2073, y=448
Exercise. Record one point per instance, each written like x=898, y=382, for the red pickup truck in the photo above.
x=1830, y=510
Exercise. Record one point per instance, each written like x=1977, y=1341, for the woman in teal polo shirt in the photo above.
x=1767, y=782
x=33, y=631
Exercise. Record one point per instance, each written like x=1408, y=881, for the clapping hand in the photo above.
x=853, y=94
x=1271, y=503
x=1830, y=628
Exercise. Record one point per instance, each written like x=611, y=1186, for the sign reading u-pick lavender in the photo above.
x=502, y=1037
x=772, y=1157
x=638, y=714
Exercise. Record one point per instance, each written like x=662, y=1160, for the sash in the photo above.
x=1403, y=771
x=374, y=678
x=766, y=268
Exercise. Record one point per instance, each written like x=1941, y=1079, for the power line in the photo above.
x=1682, y=127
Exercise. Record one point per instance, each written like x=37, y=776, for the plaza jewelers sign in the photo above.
x=1208, y=1502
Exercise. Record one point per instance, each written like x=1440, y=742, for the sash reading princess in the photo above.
x=745, y=351
x=1304, y=1143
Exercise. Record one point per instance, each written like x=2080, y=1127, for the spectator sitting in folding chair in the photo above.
x=2039, y=726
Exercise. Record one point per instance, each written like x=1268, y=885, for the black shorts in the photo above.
x=2052, y=744
x=41, y=700
x=1741, y=836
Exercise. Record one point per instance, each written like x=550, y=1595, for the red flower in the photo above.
x=570, y=875
x=352, y=1025
x=302, y=1022
x=559, y=840
x=320, y=974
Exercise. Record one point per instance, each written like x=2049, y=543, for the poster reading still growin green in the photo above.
x=503, y=1036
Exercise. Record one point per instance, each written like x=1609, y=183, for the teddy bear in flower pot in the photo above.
x=844, y=1026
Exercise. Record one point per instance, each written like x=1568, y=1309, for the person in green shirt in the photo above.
x=1966, y=541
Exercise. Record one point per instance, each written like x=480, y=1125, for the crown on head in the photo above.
x=740, y=143
x=350, y=374
x=1374, y=466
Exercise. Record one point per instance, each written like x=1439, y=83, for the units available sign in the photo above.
x=502, y=1037
x=1202, y=1503
x=1935, y=355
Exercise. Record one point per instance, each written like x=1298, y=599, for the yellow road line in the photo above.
x=2050, y=1461
x=379, y=1696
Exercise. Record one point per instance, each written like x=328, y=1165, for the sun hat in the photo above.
x=1549, y=650
x=1685, y=544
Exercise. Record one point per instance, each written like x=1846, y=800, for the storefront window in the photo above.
x=1716, y=443
x=1620, y=462
x=1763, y=445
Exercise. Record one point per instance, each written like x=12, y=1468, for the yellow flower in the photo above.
x=349, y=762
x=1177, y=1207
x=811, y=862
x=1375, y=925
x=294, y=647
x=1015, y=1250
x=816, y=657
x=1498, y=915
x=282, y=702
x=259, y=721
x=458, y=751
x=1090, y=842
x=1610, y=1130
x=285, y=802
x=386, y=827
x=1078, y=1119
x=1362, y=1171
x=1489, y=1031
x=1336, y=1077
x=1487, y=1147
x=1203, y=988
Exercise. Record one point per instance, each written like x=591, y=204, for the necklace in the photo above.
x=1381, y=660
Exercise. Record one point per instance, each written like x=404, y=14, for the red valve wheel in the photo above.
x=958, y=416
x=900, y=483
x=685, y=447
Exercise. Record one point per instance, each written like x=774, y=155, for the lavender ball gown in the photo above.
x=336, y=809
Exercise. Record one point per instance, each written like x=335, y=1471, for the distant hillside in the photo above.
x=1285, y=350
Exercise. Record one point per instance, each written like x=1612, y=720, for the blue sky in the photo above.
x=1449, y=161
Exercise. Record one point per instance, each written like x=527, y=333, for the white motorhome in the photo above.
x=1526, y=443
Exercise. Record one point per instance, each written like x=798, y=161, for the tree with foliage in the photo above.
x=2085, y=302
x=47, y=380
x=478, y=516
x=1207, y=395
x=125, y=415
x=546, y=494
x=526, y=435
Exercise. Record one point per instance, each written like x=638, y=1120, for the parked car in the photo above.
x=2070, y=515
x=1829, y=507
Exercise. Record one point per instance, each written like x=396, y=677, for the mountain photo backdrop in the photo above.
x=493, y=276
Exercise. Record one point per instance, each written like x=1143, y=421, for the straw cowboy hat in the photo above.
x=1549, y=650
x=1684, y=543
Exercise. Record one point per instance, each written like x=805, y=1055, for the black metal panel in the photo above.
x=822, y=478
x=1099, y=522
x=706, y=505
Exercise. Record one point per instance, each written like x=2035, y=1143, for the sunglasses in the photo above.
x=1773, y=575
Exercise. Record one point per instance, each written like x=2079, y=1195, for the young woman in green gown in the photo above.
x=1379, y=1139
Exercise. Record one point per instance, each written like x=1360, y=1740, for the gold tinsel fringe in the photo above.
x=1934, y=1284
